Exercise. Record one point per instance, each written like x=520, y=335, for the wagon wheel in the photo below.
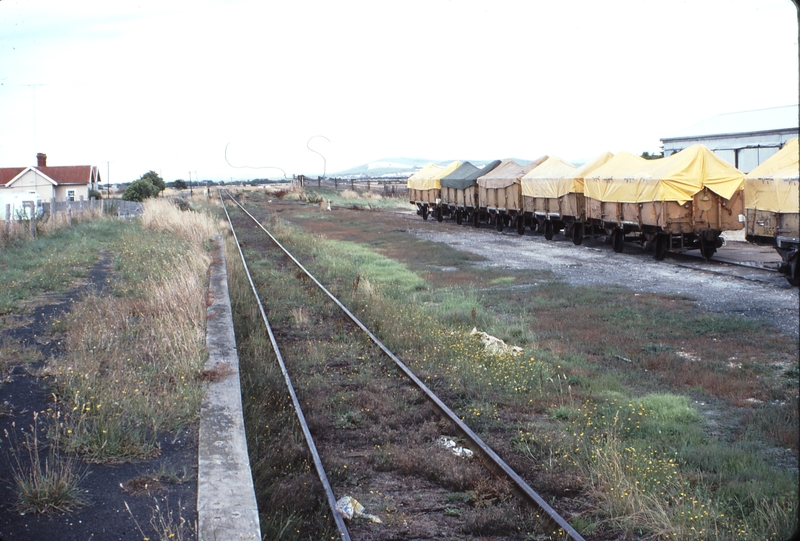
x=500, y=223
x=794, y=273
x=424, y=211
x=707, y=248
x=618, y=240
x=459, y=217
x=438, y=213
x=577, y=233
x=548, y=230
x=475, y=219
x=521, y=225
x=660, y=249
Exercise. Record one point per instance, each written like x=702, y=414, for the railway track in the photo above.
x=375, y=431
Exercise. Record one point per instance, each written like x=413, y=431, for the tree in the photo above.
x=179, y=184
x=139, y=190
x=156, y=180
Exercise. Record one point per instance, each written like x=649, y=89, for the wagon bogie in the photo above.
x=690, y=225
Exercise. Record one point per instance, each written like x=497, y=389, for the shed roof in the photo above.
x=755, y=121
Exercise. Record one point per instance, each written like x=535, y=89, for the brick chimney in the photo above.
x=41, y=160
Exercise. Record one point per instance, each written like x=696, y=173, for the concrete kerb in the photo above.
x=226, y=501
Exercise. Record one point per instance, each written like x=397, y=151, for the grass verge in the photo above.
x=134, y=358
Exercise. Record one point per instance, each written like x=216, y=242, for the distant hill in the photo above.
x=398, y=167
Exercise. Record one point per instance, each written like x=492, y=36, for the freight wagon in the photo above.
x=424, y=189
x=678, y=203
x=772, y=203
x=459, y=192
x=553, y=199
x=500, y=194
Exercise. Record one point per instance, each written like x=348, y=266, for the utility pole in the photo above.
x=108, y=180
x=190, y=183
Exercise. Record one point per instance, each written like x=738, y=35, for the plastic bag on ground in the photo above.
x=349, y=508
x=493, y=345
x=449, y=443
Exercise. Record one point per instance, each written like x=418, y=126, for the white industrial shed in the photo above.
x=743, y=139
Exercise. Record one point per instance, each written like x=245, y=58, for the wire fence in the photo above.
x=388, y=187
x=28, y=220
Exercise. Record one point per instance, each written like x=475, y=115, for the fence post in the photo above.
x=368, y=188
x=336, y=183
x=32, y=221
x=69, y=214
x=352, y=185
x=8, y=219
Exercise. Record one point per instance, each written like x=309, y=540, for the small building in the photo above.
x=744, y=139
x=26, y=186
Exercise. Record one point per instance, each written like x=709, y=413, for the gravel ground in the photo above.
x=716, y=286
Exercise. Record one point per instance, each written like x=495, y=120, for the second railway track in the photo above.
x=377, y=427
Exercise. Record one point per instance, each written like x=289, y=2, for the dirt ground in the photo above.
x=715, y=285
x=108, y=488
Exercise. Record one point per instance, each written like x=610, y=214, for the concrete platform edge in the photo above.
x=226, y=502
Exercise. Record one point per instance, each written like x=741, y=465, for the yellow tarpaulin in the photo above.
x=429, y=176
x=606, y=179
x=675, y=178
x=586, y=169
x=507, y=173
x=549, y=179
x=773, y=185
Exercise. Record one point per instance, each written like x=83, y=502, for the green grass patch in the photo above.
x=53, y=262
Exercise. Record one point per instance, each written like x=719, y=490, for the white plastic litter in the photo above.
x=493, y=345
x=449, y=443
x=349, y=508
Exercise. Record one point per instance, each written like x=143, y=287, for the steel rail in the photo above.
x=475, y=440
x=337, y=517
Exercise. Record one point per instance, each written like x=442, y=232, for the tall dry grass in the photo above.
x=194, y=227
x=133, y=363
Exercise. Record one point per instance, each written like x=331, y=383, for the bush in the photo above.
x=94, y=194
x=139, y=190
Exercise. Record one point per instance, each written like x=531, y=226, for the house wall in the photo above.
x=81, y=192
x=30, y=187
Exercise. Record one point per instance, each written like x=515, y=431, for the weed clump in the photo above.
x=46, y=480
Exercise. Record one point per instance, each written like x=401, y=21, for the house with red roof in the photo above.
x=21, y=186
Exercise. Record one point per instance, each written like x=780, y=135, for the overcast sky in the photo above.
x=167, y=84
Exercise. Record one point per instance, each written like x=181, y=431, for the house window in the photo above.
x=70, y=195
